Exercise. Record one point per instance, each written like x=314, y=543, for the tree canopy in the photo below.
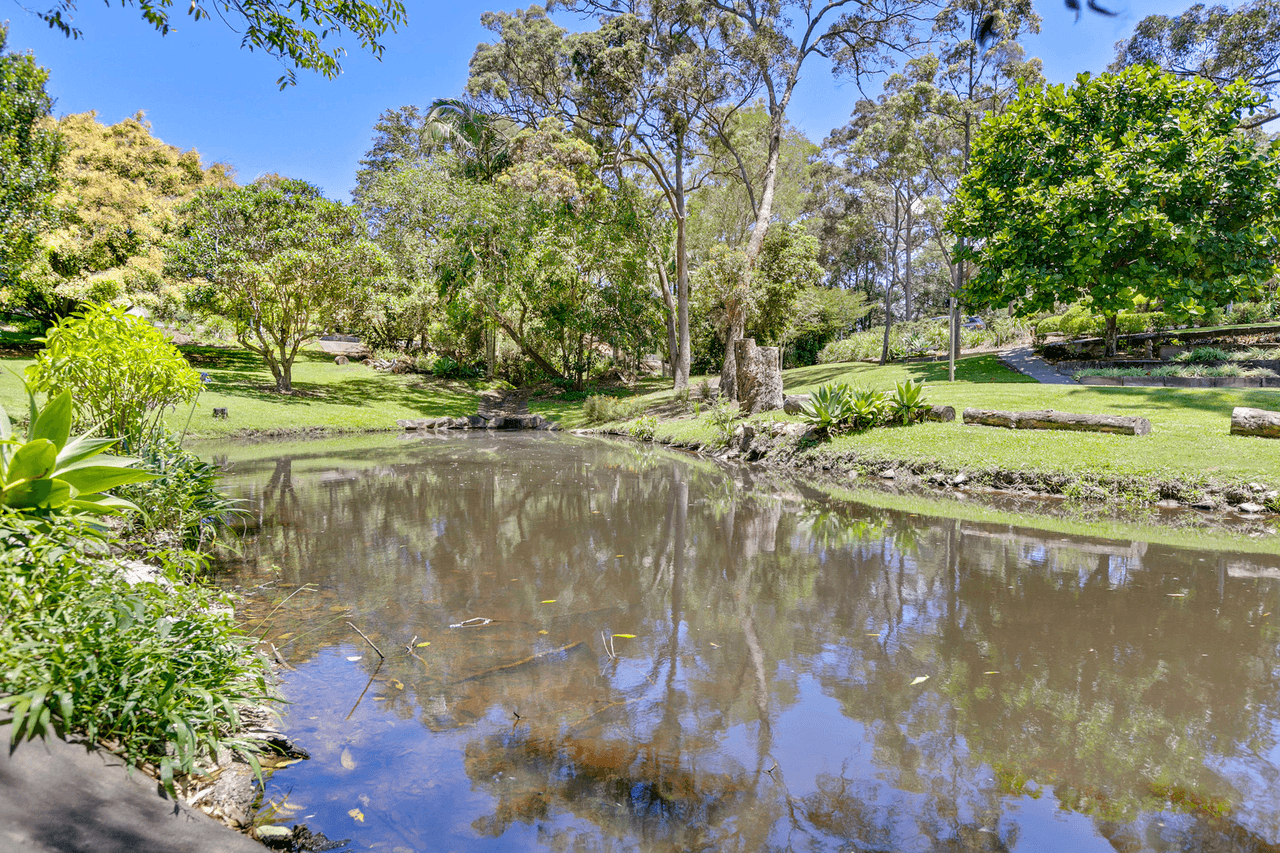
x=118, y=192
x=279, y=259
x=30, y=150
x=294, y=33
x=1135, y=184
x=1213, y=42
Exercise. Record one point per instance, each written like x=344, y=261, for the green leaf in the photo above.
x=102, y=505
x=30, y=494
x=98, y=478
x=82, y=448
x=54, y=421
x=33, y=460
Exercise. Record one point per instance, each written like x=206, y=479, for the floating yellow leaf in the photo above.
x=919, y=679
x=549, y=601
x=873, y=635
x=620, y=555
x=542, y=632
x=992, y=672
x=396, y=683
x=285, y=635
x=339, y=608
x=423, y=645
x=348, y=762
x=357, y=814
x=626, y=636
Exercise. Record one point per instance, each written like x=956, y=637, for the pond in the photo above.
x=603, y=646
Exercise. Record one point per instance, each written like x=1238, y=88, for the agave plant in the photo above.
x=827, y=406
x=867, y=407
x=907, y=402
x=50, y=470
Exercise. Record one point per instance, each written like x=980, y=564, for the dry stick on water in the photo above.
x=367, y=640
x=366, y=687
x=496, y=669
x=279, y=657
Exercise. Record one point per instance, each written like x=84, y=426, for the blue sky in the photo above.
x=200, y=90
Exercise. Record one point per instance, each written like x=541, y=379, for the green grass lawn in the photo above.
x=327, y=396
x=1189, y=426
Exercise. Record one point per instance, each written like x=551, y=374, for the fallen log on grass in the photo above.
x=1259, y=422
x=1049, y=419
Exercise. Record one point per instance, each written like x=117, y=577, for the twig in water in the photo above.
x=367, y=640
x=506, y=666
x=366, y=689
x=280, y=658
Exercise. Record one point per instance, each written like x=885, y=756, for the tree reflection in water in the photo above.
x=1122, y=694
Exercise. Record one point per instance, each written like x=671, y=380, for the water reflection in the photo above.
x=654, y=654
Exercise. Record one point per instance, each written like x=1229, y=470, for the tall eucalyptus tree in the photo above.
x=647, y=88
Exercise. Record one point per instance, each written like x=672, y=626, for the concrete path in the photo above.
x=58, y=797
x=1024, y=360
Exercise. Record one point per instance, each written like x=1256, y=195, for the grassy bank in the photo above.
x=1189, y=449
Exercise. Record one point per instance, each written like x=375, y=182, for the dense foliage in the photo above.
x=1126, y=185
x=118, y=192
x=278, y=259
x=157, y=675
x=122, y=371
x=29, y=154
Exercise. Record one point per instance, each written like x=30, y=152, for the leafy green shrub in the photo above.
x=644, y=427
x=722, y=417
x=51, y=471
x=158, y=671
x=602, y=408
x=907, y=402
x=703, y=390
x=121, y=370
x=860, y=346
x=1202, y=355
x=183, y=499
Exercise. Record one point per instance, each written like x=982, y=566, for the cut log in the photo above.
x=1049, y=419
x=984, y=417
x=1259, y=422
x=945, y=414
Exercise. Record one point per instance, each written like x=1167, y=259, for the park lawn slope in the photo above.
x=327, y=397
x=1189, y=450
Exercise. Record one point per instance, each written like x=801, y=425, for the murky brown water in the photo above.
x=595, y=647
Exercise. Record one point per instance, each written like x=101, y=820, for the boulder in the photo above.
x=945, y=414
x=759, y=377
x=339, y=360
x=793, y=404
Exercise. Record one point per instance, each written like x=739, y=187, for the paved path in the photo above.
x=1024, y=360
x=58, y=797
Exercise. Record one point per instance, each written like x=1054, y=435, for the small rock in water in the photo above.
x=1251, y=507
x=1204, y=503
x=275, y=836
x=1168, y=503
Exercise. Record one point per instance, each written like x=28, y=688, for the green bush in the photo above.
x=722, y=417
x=828, y=406
x=1202, y=355
x=156, y=671
x=183, y=499
x=121, y=370
x=603, y=409
x=644, y=427
x=907, y=402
